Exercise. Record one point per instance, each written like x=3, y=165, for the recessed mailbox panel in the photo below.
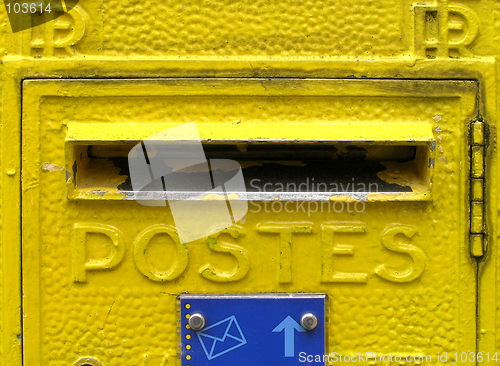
x=356, y=189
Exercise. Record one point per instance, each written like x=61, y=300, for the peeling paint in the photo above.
x=437, y=117
x=49, y=167
x=219, y=197
x=350, y=197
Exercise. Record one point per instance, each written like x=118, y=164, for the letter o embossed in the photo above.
x=140, y=247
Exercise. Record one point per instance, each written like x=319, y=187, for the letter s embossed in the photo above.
x=416, y=254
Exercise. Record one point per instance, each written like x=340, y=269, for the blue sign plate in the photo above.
x=250, y=330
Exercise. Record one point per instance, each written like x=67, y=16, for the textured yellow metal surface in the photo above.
x=408, y=275
x=379, y=301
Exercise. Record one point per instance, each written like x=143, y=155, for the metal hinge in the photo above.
x=477, y=209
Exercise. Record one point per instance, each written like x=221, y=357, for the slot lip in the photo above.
x=374, y=132
x=93, y=194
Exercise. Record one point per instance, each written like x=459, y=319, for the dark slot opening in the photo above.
x=288, y=170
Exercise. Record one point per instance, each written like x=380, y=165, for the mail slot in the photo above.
x=234, y=221
x=272, y=170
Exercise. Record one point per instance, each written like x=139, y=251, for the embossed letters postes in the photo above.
x=330, y=249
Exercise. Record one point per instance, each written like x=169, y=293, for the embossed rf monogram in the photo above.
x=72, y=25
x=443, y=30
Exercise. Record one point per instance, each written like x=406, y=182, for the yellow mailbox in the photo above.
x=249, y=183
